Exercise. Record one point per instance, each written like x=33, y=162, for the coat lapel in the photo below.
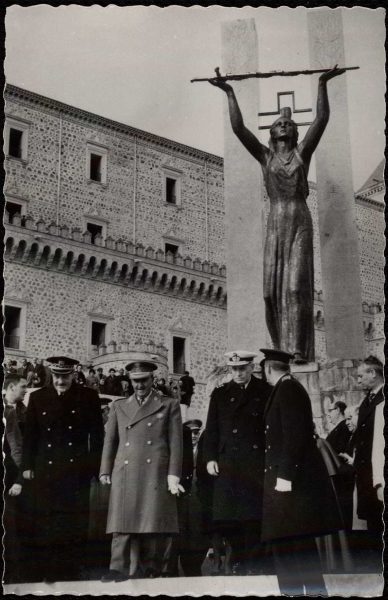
x=368, y=407
x=136, y=413
x=273, y=394
x=129, y=407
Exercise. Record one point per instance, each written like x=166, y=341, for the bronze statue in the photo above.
x=288, y=252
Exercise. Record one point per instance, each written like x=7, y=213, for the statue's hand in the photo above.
x=334, y=72
x=219, y=83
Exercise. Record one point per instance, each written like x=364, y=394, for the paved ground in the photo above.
x=367, y=585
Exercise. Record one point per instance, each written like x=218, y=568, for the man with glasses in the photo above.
x=338, y=437
x=142, y=461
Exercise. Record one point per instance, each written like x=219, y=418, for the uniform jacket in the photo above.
x=63, y=434
x=363, y=439
x=62, y=444
x=143, y=444
x=234, y=437
x=292, y=454
x=339, y=437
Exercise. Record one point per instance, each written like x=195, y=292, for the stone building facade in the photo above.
x=114, y=245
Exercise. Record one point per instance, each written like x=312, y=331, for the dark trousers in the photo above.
x=11, y=541
x=298, y=566
x=61, y=533
x=244, y=539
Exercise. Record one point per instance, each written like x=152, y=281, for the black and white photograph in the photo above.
x=193, y=307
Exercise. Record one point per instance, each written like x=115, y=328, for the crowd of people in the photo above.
x=116, y=383
x=255, y=485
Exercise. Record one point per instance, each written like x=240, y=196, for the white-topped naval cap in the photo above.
x=238, y=358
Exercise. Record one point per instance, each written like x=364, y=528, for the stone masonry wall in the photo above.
x=59, y=307
x=37, y=181
x=371, y=225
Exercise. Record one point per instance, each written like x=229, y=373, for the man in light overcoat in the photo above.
x=142, y=461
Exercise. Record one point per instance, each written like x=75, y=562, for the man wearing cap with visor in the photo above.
x=62, y=446
x=234, y=452
x=299, y=501
x=142, y=461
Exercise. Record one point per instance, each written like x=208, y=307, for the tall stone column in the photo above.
x=243, y=197
x=341, y=284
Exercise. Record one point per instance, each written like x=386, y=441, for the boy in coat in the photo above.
x=142, y=461
x=299, y=502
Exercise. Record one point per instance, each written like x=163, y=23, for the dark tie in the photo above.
x=371, y=397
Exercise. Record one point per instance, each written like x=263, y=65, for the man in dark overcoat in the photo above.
x=234, y=452
x=370, y=377
x=299, y=501
x=339, y=436
x=142, y=461
x=61, y=451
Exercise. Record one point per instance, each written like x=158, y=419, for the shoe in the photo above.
x=238, y=569
x=113, y=575
x=138, y=574
x=121, y=577
x=151, y=574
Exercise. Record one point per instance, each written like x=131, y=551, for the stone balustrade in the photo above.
x=118, y=262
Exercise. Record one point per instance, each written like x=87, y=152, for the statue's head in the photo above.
x=285, y=116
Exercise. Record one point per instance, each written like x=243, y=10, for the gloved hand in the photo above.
x=283, y=485
x=105, y=479
x=212, y=468
x=174, y=487
x=15, y=489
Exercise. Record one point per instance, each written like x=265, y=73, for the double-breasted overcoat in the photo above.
x=367, y=503
x=234, y=437
x=291, y=453
x=143, y=444
x=62, y=444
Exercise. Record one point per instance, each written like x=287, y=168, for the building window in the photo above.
x=179, y=354
x=15, y=143
x=171, y=189
x=98, y=334
x=16, y=138
x=95, y=167
x=95, y=230
x=172, y=186
x=96, y=163
x=15, y=208
x=14, y=326
x=171, y=248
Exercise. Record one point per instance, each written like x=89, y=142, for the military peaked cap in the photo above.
x=279, y=355
x=61, y=365
x=141, y=368
x=238, y=358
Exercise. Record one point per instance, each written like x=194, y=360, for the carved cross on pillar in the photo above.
x=285, y=111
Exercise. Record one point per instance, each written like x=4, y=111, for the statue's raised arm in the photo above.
x=310, y=142
x=246, y=137
x=288, y=282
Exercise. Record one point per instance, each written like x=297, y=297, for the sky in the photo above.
x=134, y=64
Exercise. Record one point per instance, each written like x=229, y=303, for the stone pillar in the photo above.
x=243, y=197
x=341, y=282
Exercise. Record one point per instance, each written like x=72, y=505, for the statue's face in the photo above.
x=283, y=128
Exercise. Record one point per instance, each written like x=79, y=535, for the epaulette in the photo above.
x=221, y=385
